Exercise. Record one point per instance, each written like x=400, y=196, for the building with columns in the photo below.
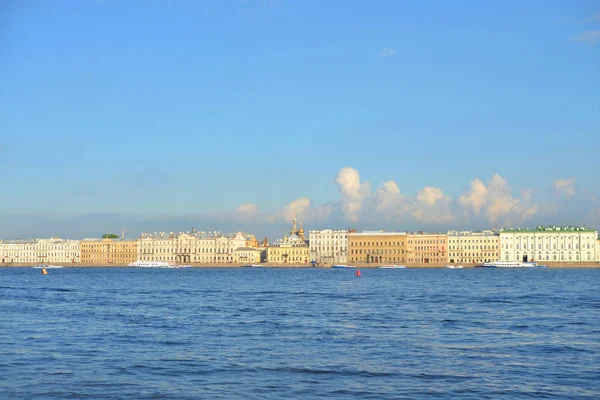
x=328, y=246
x=190, y=247
x=292, y=249
x=377, y=247
x=427, y=248
x=575, y=244
x=466, y=247
x=40, y=251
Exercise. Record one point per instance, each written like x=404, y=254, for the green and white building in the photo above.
x=576, y=244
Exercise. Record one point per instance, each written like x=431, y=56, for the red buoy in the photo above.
x=44, y=271
x=358, y=272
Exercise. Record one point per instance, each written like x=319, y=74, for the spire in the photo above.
x=294, y=229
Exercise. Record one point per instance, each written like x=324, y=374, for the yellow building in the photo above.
x=427, y=248
x=467, y=247
x=108, y=251
x=291, y=249
x=250, y=255
x=377, y=247
x=251, y=240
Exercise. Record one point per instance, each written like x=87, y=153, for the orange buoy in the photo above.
x=44, y=271
x=358, y=272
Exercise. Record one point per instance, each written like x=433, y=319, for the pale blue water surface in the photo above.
x=254, y=333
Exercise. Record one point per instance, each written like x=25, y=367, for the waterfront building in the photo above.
x=427, y=248
x=251, y=240
x=291, y=249
x=377, y=247
x=549, y=243
x=109, y=251
x=466, y=247
x=328, y=246
x=40, y=251
x=598, y=249
x=250, y=255
x=190, y=247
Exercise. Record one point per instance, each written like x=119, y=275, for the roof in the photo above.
x=548, y=229
x=376, y=233
x=247, y=249
x=107, y=240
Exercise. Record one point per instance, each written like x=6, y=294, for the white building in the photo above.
x=549, y=243
x=40, y=251
x=328, y=246
x=189, y=247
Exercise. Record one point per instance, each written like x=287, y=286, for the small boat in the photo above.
x=152, y=264
x=392, y=266
x=342, y=266
x=184, y=266
x=251, y=266
x=48, y=266
x=453, y=266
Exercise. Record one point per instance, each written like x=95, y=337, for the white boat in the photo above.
x=152, y=264
x=512, y=264
x=342, y=266
x=392, y=266
x=48, y=266
x=453, y=266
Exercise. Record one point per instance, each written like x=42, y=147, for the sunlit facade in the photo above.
x=190, y=247
x=427, y=248
x=466, y=247
x=108, y=251
x=576, y=244
x=377, y=247
x=40, y=251
x=328, y=246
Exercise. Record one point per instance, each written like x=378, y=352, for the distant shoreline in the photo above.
x=327, y=266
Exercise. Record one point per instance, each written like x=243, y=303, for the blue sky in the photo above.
x=159, y=114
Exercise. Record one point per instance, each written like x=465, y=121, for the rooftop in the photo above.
x=542, y=228
x=376, y=233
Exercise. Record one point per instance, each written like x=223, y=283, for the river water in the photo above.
x=258, y=333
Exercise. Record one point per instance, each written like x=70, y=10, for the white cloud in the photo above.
x=352, y=192
x=496, y=201
x=591, y=37
x=387, y=52
x=248, y=208
x=387, y=197
x=476, y=197
x=432, y=206
x=301, y=209
x=564, y=187
x=430, y=195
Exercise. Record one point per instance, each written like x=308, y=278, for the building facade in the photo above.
x=40, y=251
x=109, y=251
x=190, y=247
x=292, y=249
x=377, y=247
x=427, y=248
x=466, y=247
x=250, y=255
x=549, y=243
x=328, y=246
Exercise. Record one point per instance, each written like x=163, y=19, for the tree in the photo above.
x=110, y=236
